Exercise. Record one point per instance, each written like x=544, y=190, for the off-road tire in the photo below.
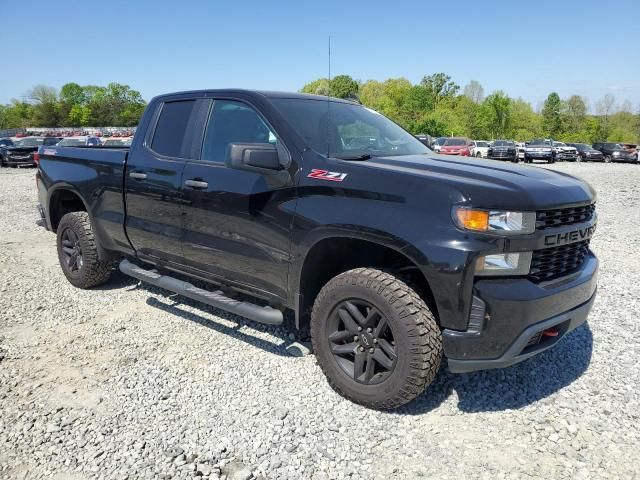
x=93, y=271
x=418, y=339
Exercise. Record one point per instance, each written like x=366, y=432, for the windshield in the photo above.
x=351, y=131
x=455, y=142
x=482, y=144
x=72, y=142
x=503, y=143
x=582, y=146
x=29, y=142
x=558, y=144
x=440, y=141
x=539, y=142
x=615, y=146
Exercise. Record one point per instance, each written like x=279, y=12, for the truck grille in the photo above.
x=550, y=263
x=564, y=216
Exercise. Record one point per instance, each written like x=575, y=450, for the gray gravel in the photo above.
x=122, y=382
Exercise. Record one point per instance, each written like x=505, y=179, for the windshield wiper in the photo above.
x=364, y=156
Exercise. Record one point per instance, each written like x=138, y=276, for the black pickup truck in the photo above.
x=391, y=255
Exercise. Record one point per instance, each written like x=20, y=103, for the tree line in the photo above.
x=439, y=107
x=436, y=106
x=74, y=106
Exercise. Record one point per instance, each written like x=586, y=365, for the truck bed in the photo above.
x=96, y=174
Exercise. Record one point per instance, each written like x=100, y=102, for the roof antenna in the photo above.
x=329, y=102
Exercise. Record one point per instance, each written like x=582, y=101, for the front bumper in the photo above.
x=517, y=311
x=571, y=157
x=538, y=155
x=21, y=161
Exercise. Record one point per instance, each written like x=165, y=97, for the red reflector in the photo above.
x=551, y=332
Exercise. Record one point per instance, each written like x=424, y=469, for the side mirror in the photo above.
x=256, y=157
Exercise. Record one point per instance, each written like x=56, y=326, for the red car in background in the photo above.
x=457, y=146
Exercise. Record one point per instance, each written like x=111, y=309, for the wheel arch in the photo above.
x=337, y=252
x=64, y=199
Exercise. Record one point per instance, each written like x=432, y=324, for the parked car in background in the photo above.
x=613, y=152
x=586, y=153
x=503, y=150
x=632, y=149
x=457, y=146
x=479, y=148
x=438, y=143
x=426, y=140
x=82, y=141
x=539, y=149
x=564, y=152
x=4, y=143
x=21, y=153
x=117, y=142
x=520, y=148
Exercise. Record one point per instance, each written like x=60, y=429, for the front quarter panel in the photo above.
x=415, y=220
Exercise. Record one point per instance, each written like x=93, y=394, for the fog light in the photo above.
x=504, y=264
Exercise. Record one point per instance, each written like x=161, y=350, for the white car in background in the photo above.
x=439, y=142
x=520, y=148
x=479, y=148
x=564, y=152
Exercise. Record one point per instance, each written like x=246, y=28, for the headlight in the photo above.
x=504, y=264
x=495, y=221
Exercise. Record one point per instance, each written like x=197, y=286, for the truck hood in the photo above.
x=491, y=183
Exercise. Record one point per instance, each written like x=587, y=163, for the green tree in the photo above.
x=552, y=116
x=439, y=87
x=46, y=109
x=576, y=113
x=317, y=87
x=525, y=124
x=343, y=86
x=496, y=114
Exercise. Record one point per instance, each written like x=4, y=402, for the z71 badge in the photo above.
x=327, y=175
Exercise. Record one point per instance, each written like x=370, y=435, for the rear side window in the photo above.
x=171, y=129
x=233, y=122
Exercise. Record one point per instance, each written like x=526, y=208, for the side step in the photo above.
x=267, y=315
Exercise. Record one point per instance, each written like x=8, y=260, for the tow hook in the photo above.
x=551, y=332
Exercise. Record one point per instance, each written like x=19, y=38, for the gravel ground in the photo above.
x=123, y=382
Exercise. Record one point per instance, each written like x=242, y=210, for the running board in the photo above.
x=267, y=315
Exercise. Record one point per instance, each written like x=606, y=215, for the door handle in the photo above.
x=196, y=184
x=138, y=175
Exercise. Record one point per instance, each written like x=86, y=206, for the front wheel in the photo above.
x=78, y=252
x=375, y=339
x=607, y=158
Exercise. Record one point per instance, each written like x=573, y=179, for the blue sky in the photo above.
x=525, y=48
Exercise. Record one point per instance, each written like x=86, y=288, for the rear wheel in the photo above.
x=78, y=252
x=375, y=339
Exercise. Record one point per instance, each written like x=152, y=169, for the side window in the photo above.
x=171, y=129
x=233, y=122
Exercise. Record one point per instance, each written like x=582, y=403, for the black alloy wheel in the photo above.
x=71, y=251
x=362, y=342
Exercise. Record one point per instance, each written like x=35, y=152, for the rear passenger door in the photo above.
x=153, y=180
x=237, y=223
